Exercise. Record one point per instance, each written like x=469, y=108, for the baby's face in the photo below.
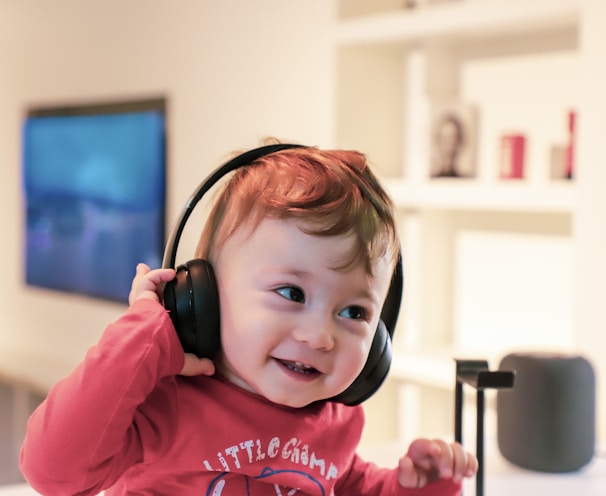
x=294, y=329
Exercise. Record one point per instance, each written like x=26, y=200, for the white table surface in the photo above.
x=502, y=478
x=17, y=490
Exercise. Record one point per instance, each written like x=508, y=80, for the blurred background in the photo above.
x=506, y=255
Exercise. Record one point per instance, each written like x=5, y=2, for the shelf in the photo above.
x=463, y=194
x=466, y=19
x=433, y=369
x=436, y=369
x=481, y=251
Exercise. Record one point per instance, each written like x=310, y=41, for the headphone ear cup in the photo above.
x=379, y=359
x=374, y=372
x=192, y=300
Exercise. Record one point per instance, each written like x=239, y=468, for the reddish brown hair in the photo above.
x=332, y=193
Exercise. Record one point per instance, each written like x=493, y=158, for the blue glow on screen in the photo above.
x=95, y=198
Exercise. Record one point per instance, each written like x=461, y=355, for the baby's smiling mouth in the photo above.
x=299, y=367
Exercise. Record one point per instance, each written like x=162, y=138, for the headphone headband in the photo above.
x=170, y=252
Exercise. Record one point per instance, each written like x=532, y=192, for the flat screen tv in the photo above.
x=94, y=181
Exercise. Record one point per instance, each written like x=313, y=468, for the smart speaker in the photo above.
x=547, y=421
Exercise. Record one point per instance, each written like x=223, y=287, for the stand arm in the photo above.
x=475, y=373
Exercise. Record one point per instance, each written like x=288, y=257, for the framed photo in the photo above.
x=453, y=140
x=94, y=183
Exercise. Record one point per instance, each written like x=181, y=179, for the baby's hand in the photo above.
x=197, y=366
x=149, y=283
x=430, y=460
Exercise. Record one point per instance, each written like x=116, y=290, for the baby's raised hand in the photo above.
x=149, y=283
x=429, y=460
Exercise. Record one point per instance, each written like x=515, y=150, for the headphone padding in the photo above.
x=192, y=300
x=374, y=372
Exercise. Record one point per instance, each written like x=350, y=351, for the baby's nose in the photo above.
x=319, y=334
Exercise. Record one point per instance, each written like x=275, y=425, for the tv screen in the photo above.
x=94, y=181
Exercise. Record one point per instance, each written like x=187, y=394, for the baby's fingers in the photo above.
x=197, y=366
x=455, y=462
x=420, y=465
x=447, y=460
x=430, y=460
x=408, y=475
x=467, y=464
x=147, y=283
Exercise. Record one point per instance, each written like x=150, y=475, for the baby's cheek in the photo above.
x=355, y=361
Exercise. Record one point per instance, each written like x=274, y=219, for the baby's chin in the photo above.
x=293, y=402
x=289, y=400
x=283, y=398
x=286, y=400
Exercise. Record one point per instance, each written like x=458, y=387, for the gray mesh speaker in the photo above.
x=547, y=421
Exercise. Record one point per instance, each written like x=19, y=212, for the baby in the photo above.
x=297, y=258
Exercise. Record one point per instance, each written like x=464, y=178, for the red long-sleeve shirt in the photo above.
x=124, y=421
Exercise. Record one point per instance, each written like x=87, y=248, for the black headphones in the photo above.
x=192, y=298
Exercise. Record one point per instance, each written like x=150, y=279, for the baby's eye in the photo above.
x=292, y=293
x=354, y=312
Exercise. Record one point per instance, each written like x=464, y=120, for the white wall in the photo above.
x=590, y=284
x=233, y=71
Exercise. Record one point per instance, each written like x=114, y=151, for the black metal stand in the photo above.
x=476, y=374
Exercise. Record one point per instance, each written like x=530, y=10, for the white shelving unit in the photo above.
x=474, y=19
x=477, y=250
x=507, y=197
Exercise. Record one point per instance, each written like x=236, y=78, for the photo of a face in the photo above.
x=452, y=142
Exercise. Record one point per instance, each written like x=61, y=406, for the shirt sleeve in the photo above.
x=366, y=479
x=88, y=430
